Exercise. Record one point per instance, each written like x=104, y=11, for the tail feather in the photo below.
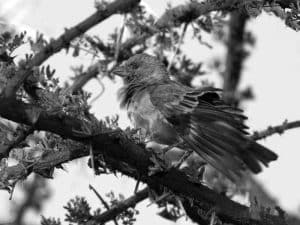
x=237, y=146
x=216, y=131
x=214, y=160
x=226, y=148
x=262, y=153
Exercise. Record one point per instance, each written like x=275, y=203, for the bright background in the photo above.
x=272, y=70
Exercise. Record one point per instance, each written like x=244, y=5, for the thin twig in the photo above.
x=119, y=39
x=120, y=207
x=97, y=44
x=137, y=186
x=159, y=199
x=101, y=92
x=94, y=54
x=280, y=129
x=92, y=158
x=83, y=78
x=104, y=203
x=178, y=45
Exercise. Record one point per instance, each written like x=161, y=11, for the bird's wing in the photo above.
x=213, y=129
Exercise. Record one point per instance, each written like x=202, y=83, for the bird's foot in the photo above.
x=159, y=159
x=182, y=159
x=159, y=164
x=177, y=144
x=197, y=176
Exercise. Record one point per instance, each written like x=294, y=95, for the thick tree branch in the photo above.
x=192, y=10
x=121, y=154
x=118, y=6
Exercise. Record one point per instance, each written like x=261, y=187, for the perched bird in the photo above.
x=169, y=113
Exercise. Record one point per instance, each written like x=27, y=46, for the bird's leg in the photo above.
x=159, y=163
x=182, y=159
x=159, y=157
x=139, y=133
x=166, y=149
x=142, y=135
x=92, y=158
x=157, y=199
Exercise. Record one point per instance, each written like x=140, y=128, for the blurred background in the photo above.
x=272, y=70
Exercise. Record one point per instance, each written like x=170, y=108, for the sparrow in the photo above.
x=169, y=112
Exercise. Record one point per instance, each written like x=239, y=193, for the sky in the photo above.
x=272, y=70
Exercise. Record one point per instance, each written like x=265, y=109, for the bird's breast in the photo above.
x=145, y=116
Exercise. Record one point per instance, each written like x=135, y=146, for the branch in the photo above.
x=192, y=10
x=104, y=203
x=175, y=17
x=177, y=46
x=170, y=17
x=236, y=54
x=280, y=129
x=82, y=79
x=122, y=155
x=118, y=6
x=113, y=212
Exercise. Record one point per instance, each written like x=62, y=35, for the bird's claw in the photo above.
x=182, y=159
x=158, y=160
x=166, y=149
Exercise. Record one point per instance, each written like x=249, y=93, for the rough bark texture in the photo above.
x=123, y=155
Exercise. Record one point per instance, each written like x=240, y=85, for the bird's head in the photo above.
x=142, y=68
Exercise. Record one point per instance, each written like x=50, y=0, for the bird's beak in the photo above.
x=120, y=71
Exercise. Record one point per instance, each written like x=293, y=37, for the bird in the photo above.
x=169, y=112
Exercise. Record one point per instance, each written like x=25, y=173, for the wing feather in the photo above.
x=211, y=128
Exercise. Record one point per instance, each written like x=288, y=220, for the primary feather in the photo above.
x=169, y=112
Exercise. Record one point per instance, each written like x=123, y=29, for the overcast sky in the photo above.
x=272, y=71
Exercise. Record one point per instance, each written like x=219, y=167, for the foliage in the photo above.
x=78, y=210
x=43, y=91
x=50, y=221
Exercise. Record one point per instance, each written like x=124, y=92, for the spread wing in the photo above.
x=211, y=128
